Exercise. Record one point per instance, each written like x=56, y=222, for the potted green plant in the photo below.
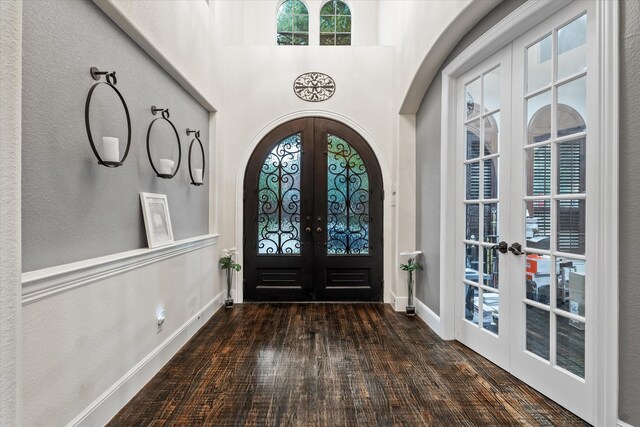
x=411, y=266
x=227, y=263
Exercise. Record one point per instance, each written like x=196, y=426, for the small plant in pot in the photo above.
x=227, y=263
x=411, y=266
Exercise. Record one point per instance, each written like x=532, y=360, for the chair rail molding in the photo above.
x=41, y=284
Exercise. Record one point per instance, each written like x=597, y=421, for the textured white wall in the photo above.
x=184, y=32
x=253, y=22
x=390, y=41
x=88, y=345
x=77, y=344
x=10, y=171
x=72, y=208
x=258, y=91
x=423, y=33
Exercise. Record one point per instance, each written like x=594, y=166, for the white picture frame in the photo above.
x=157, y=222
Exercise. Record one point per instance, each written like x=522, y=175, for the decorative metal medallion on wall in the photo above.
x=314, y=87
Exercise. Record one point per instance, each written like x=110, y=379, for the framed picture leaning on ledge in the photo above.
x=157, y=221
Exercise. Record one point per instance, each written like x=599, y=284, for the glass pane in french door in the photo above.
x=555, y=197
x=481, y=282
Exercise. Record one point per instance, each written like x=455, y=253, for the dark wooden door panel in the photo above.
x=323, y=240
x=275, y=217
x=348, y=196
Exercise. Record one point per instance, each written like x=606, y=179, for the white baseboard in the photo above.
x=101, y=410
x=429, y=317
x=623, y=424
x=401, y=303
x=45, y=283
x=398, y=303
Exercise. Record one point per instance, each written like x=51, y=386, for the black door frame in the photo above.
x=313, y=275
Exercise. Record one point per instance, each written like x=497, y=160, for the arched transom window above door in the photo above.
x=292, y=23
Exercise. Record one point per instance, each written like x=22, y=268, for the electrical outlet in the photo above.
x=160, y=320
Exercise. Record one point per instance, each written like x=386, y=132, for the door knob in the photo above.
x=308, y=229
x=516, y=248
x=319, y=229
x=502, y=247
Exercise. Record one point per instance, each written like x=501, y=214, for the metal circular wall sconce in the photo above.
x=110, y=145
x=197, y=175
x=166, y=165
x=314, y=87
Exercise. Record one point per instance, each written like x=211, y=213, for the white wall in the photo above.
x=253, y=22
x=259, y=95
x=390, y=42
x=412, y=27
x=89, y=344
x=80, y=342
x=423, y=33
x=185, y=33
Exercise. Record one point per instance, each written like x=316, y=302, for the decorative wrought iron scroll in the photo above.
x=314, y=87
x=279, y=199
x=347, y=200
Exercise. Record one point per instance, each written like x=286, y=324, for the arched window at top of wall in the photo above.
x=292, y=23
x=335, y=24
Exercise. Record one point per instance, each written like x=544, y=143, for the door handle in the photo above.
x=308, y=229
x=319, y=229
x=502, y=247
x=516, y=249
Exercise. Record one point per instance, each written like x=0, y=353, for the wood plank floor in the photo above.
x=332, y=365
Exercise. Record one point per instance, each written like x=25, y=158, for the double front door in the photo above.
x=313, y=215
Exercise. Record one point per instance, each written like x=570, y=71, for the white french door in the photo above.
x=481, y=292
x=527, y=221
x=553, y=346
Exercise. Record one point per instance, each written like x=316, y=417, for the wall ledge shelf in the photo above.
x=44, y=283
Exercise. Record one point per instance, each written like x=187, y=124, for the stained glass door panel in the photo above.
x=347, y=199
x=279, y=199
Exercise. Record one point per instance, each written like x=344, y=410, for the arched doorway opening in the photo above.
x=313, y=215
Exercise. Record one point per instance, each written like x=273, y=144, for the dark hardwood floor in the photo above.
x=332, y=365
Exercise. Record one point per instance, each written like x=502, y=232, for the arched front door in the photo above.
x=313, y=215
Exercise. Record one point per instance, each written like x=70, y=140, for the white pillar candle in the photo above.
x=110, y=149
x=197, y=176
x=166, y=166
